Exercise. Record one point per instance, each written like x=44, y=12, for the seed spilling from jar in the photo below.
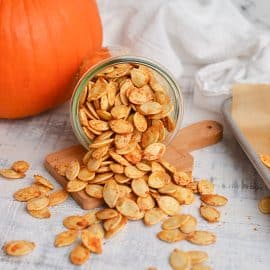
x=126, y=114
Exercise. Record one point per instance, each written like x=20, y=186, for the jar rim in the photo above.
x=123, y=59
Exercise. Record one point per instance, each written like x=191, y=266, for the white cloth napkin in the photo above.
x=207, y=41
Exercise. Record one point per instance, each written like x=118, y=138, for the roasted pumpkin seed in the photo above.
x=112, y=223
x=90, y=217
x=154, y=216
x=73, y=170
x=146, y=203
x=91, y=241
x=97, y=229
x=117, y=228
x=264, y=205
x=121, y=126
x=57, y=197
x=127, y=207
x=100, y=143
x=76, y=185
x=174, y=222
x=179, y=260
x=19, y=247
x=133, y=172
x=116, y=168
x=150, y=108
x=135, y=156
x=189, y=225
x=100, y=152
x=11, y=174
x=106, y=213
x=140, y=122
x=37, y=203
x=65, y=238
x=120, y=111
x=169, y=205
x=201, y=238
x=181, y=178
x=43, y=181
x=79, y=255
x=93, y=165
x=140, y=187
x=111, y=193
x=99, y=125
x=214, y=199
x=95, y=191
x=118, y=158
x=139, y=77
x=44, y=190
x=86, y=175
x=205, y=187
x=26, y=194
x=122, y=140
x=197, y=256
x=209, y=213
x=154, y=151
x=171, y=236
x=158, y=179
x=143, y=167
x=98, y=89
x=20, y=166
x=42, y=213
x=75, y=222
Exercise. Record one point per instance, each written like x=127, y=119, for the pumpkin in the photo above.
x=42, y=46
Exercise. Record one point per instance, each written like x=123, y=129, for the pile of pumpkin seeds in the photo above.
x=126, y=114
x=38, y=196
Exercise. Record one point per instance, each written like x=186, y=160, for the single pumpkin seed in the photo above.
x=37, y=203
x=43, y=181
x=57, y=197
x=42, y=213
x=76, y=185
x=171, y=236
x=91, y=241
x=179, y=260
x=19, y=247
x=11, y=174
x=209, y=213
x=20, y=166
x=94, y=190
x=79, y=255
x=73, y=170
x=75, y=222
x=264, y=205
x=153, y=216
x=214, y=199
x=65, y=238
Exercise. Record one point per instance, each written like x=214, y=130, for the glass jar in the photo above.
x=163, y=75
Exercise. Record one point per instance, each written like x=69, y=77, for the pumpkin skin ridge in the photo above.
x=28, y=84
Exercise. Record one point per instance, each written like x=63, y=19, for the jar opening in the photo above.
x=164, y=76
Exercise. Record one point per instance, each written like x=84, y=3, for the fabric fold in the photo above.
x=207, y=41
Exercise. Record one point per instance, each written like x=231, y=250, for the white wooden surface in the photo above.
x=243, y=235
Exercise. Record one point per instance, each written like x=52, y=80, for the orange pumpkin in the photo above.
x=42, y=45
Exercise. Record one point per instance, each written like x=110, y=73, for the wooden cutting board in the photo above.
x=196, y=136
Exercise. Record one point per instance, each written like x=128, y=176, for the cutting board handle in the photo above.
x=198, y=135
